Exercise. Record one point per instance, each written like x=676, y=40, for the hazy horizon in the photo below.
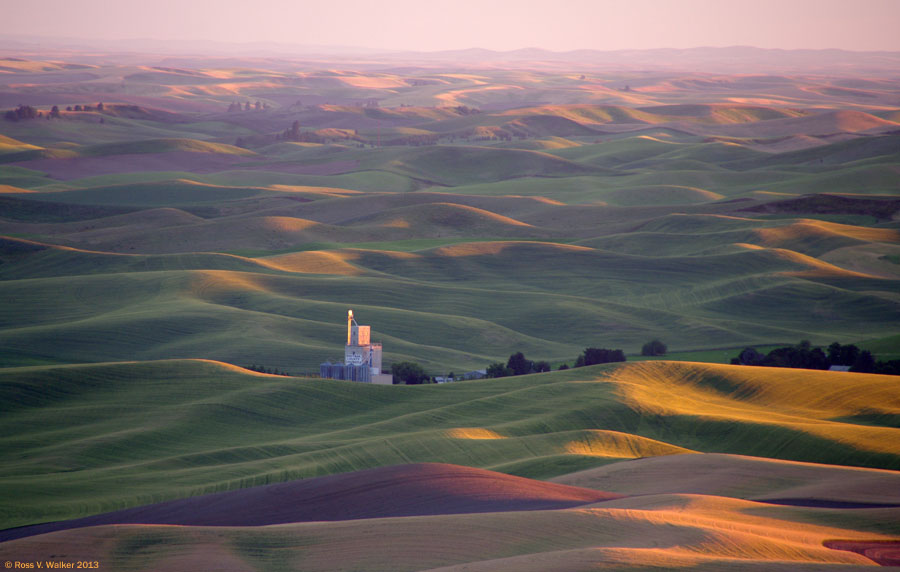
x=407, y=25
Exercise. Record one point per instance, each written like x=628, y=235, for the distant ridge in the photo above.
x=724, y=59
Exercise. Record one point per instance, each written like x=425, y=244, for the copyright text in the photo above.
x=52, y=565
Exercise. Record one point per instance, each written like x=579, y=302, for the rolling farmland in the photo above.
x=209, y=217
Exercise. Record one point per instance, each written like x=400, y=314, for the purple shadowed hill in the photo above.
x=401, y=490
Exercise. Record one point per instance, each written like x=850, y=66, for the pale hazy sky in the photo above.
x=455, y=24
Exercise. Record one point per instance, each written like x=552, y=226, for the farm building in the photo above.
x=362, y=358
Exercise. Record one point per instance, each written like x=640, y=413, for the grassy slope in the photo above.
x=438, y=306
x=151, y=193
x=105, y=436
x=129, y=147
x=450, y=165
x=86, y=130
x=689, y=235
x=655, y=533
x=738, y=476
x=10, y=145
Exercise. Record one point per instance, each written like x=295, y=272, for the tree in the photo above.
x=518, y=364
x=890, y=367
x=563, y=367
x=796, y=357
x=408, y=372
x=100, y=106
x=815, y=359
x=22, y=112
x=654, y=348
x=293, y=133
x=593, y=356
x=865, y=363
x=54, y=111
x=849, y=354
x=842, y=355
x=246, y=106
x=749, y=356
x=498, y=369
x=541, y=366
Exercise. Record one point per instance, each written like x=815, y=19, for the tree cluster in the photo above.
x=22, y=112
x=263, y=369
x=293, y=133
x=85, y=107
x=415, y=140
x=654, y=348
x=498, y=369
x=28, y=112
x=466, y=110
x=236, y=106
x=804, y=356
x=594, y=356
x=890, y=367
x=303, y=137
x=494, y=134
x=409, y=372
x=517, y=364
x=843, y=355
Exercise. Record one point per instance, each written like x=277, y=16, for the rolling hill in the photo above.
x=177, y=429
x=210, y=427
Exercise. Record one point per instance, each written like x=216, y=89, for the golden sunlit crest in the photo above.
x=474, y=433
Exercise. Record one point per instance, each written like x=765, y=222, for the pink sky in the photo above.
x=429, y=25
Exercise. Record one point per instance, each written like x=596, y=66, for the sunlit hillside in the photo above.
x=111, y=436
x=141, y=432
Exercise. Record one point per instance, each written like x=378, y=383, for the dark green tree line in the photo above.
x=804, y=356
